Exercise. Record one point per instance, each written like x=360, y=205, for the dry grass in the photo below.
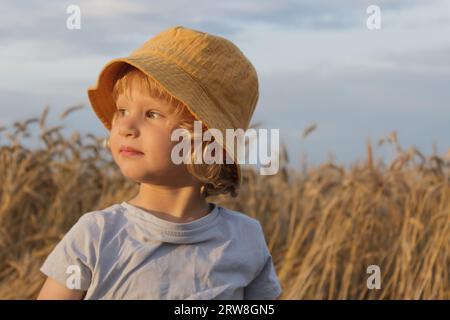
x=324, y=225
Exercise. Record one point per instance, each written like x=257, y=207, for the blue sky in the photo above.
x=317, y=62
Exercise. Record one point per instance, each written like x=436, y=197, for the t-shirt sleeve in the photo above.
x=265, y=286
x=72, y=261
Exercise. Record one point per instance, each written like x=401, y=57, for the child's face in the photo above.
x=145, y=123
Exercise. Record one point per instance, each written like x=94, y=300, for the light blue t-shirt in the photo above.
x=125, y=252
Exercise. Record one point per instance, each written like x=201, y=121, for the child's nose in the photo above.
x=129, y=127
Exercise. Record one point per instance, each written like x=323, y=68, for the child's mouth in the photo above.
x=127, y=153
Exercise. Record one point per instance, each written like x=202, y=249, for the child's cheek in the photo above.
x=161, y=140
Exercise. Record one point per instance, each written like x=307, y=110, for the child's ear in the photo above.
x=203, y=190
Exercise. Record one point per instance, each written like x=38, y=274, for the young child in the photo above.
x=169, y=242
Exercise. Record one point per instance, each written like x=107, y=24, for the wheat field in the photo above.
x=324, y=225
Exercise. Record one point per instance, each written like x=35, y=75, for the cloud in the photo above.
x=113, y=27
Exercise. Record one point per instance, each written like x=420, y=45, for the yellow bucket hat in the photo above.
x=208, y=73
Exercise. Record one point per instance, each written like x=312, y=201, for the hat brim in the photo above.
x=174, y=80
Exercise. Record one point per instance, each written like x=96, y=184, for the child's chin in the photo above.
x=142, y=176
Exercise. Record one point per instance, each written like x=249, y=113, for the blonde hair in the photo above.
x=216, y=178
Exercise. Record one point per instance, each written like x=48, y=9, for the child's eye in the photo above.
x=119, y=110
x=154, y=114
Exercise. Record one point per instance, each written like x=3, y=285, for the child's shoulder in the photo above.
x=247, y=230
x=239, y=217
x=99, y=216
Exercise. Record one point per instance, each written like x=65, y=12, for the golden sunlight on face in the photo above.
x=145, y=123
